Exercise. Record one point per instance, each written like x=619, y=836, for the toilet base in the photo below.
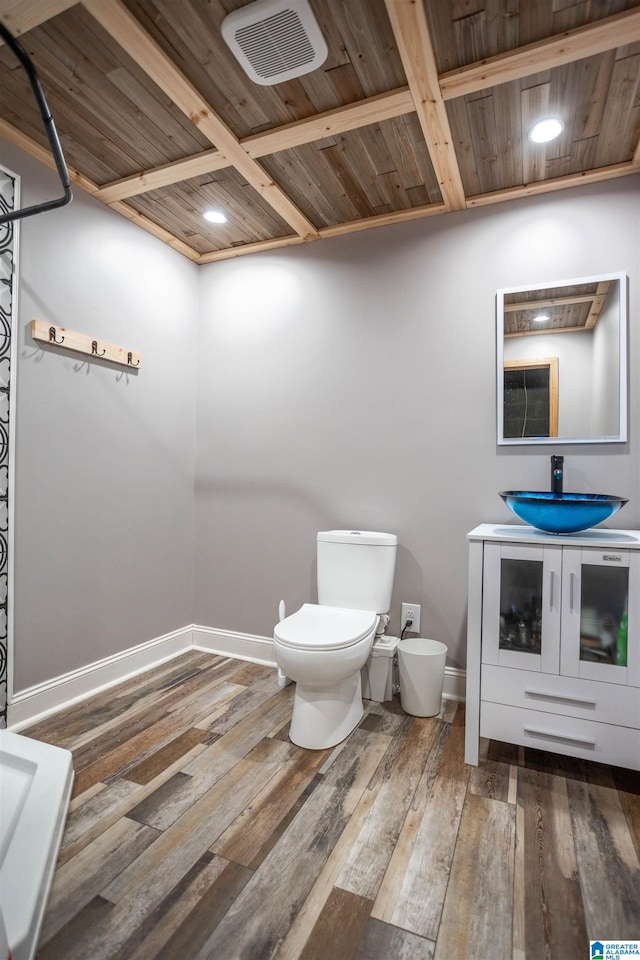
x=324, y=716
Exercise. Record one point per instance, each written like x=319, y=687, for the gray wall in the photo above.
x=351, y=383
x=104, y=458
x=344, y=383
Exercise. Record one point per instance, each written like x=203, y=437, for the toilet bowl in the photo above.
x=324, y=646
x=323, y=649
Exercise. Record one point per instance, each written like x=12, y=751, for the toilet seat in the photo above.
x=314, y=627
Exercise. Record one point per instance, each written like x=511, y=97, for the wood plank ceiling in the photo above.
x=422, y=107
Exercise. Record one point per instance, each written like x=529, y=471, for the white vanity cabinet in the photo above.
x=546, y=664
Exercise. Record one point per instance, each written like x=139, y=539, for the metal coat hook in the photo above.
x=84, y=343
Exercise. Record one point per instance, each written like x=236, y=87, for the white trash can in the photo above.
x=421, y=665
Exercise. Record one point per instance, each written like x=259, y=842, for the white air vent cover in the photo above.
x=275, y=40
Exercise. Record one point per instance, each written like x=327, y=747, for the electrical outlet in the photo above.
x=411, y=611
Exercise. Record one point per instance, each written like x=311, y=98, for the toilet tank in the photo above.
x=356, y=568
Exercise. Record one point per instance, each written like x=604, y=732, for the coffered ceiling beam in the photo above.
x=295, y=134
x=19, y=16
x=362, y=113
x=557, y=183
x=434, y=209
x=163, y=176
x=615, y=31
x=78, y=179
x=123, y=27
x=412, y=37
x=337, y=230
x=244, y=249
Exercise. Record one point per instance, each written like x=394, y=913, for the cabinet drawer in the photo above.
x=602, y=742
x=570, y=696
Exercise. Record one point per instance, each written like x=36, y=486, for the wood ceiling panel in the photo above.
x=534, y=103
x=370, y=44
x=487, y=131
x=324, y=89
x=620, y=127
x=362, y=60
x=101, y=99
x=312, y=183
x=179, y=207
x=84, y=146
x=464, y=34
x=378, y=169
x=569, y=15
x=189, y=33
x=17, y=104
x=596, y=98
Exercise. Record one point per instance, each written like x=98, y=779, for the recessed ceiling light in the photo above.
x=214, y=216
x=541, y=318
x=545, y=130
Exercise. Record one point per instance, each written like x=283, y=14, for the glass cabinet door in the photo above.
x=596, y=611
x=521, y=611
x=520, y=605
x=604, y=605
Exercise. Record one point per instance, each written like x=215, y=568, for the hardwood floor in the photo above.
x=197, y=831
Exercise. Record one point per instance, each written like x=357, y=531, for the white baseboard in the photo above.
x=228, y=643
x=455, y=681
x=37, y=702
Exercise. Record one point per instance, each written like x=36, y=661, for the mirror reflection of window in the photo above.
x=531, y=398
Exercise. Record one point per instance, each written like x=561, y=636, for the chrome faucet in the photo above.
x=557, y=474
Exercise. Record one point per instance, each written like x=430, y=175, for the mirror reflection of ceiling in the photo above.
x=568, y=309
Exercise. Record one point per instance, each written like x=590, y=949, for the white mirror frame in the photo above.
x=621, y=436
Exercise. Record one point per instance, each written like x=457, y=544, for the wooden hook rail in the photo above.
x=82, y=343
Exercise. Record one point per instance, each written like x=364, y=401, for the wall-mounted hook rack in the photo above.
x=81, y=343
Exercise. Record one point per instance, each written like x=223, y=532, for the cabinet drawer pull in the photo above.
x=555, y=735
x=543, y=695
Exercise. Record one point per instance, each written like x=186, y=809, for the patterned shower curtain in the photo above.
x=9, y=186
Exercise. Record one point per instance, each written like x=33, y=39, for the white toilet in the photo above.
x=323, y=646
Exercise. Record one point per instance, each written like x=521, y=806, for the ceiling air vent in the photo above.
x=275, y=40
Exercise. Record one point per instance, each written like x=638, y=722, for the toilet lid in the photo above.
x=325, y=628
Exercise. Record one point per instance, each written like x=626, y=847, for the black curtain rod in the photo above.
x=50, y=130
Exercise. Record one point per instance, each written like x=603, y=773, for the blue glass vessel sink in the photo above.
x=562, y=512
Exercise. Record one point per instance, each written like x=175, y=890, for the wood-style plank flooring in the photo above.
x=197, y=831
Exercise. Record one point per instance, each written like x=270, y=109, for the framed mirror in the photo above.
x=562, y=361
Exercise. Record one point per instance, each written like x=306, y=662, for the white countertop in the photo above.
x=596, y=537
